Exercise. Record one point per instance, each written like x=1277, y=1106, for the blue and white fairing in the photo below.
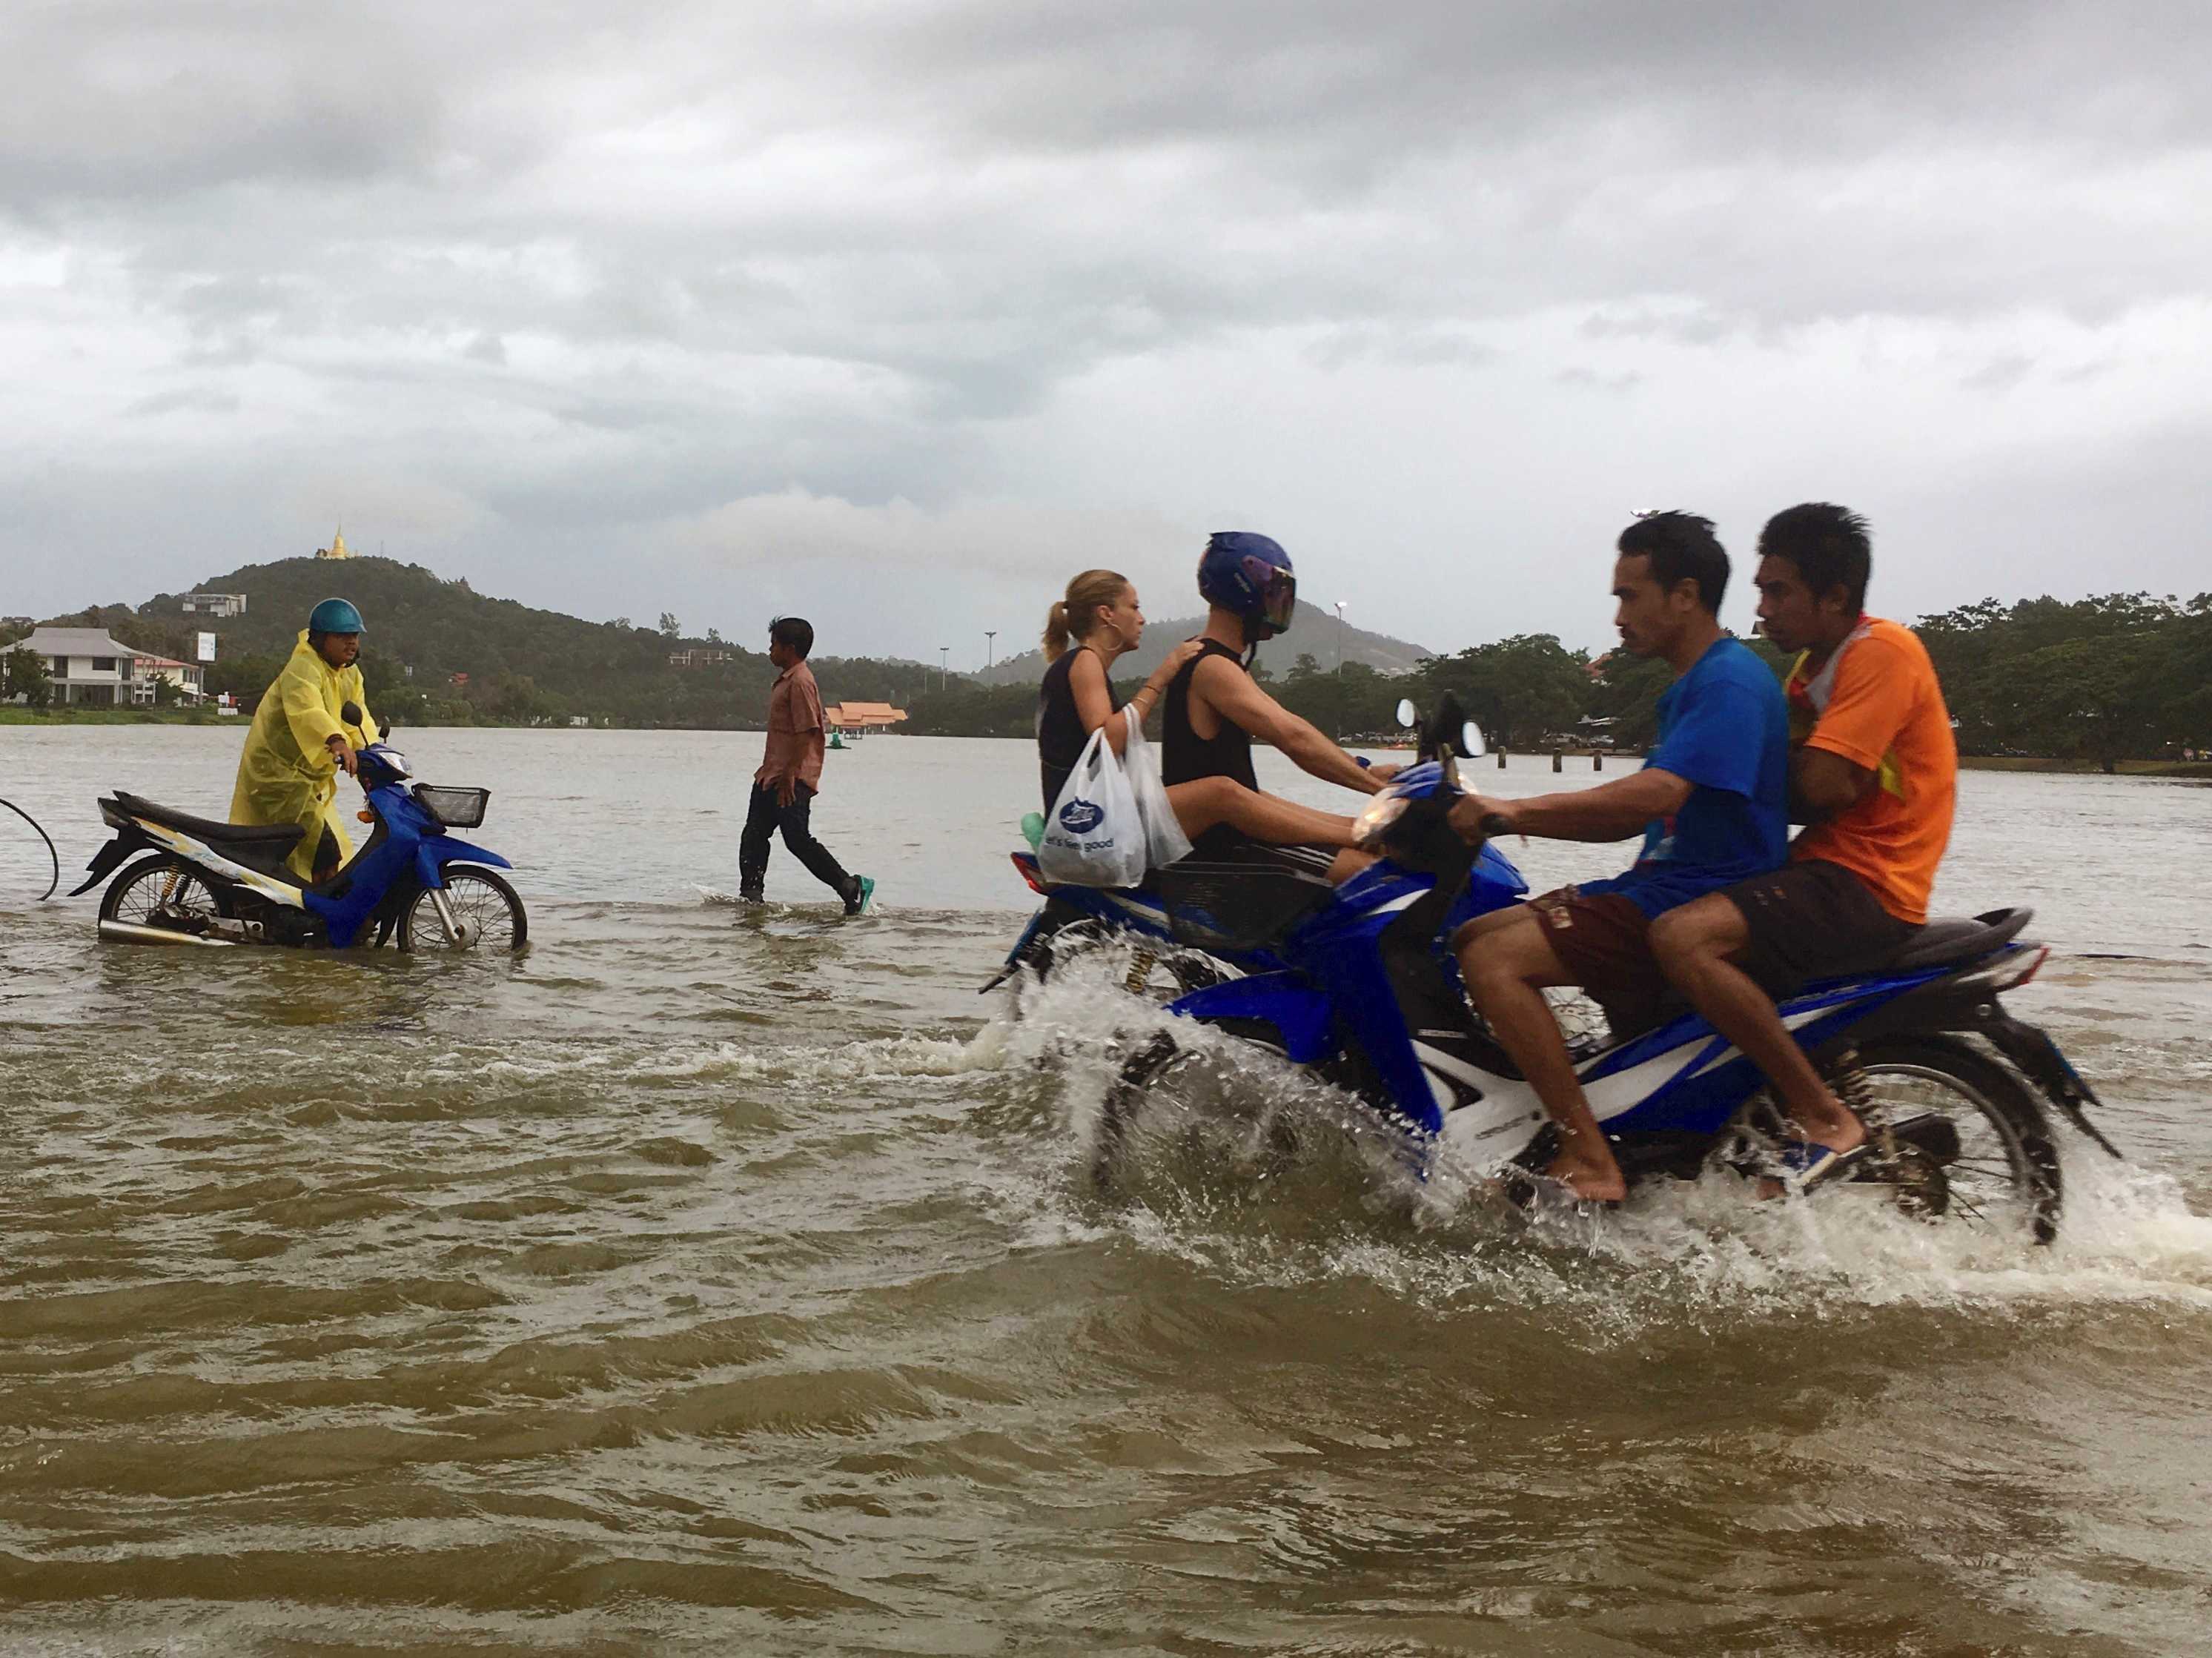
x=1683, y=1078
x=1334, y=990
x=409, y=838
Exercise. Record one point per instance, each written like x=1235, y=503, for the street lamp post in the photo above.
x=1340, y=669
x=944, y=667
x=990, y=648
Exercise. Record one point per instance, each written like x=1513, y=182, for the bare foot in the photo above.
x=1590, y=1182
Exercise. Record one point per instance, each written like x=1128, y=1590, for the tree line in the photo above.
x=2119, y=677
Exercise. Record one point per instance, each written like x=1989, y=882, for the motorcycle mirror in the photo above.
x=1470, y=741
x=1407, y=714
x=350, y=714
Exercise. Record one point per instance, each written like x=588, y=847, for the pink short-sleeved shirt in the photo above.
x=794, y=730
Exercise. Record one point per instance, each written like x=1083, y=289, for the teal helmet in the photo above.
x=335, y=615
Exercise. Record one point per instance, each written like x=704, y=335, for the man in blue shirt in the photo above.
x=1711, y=804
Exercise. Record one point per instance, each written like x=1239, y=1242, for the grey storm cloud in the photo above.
x=579, y=279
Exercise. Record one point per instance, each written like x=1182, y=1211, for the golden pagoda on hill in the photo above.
x=337, y=548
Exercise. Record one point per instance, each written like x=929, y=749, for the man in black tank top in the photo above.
x=1214, y=709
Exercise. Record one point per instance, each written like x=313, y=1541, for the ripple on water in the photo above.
x=548, y=1308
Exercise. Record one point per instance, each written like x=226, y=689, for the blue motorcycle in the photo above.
x=1358, y=984
x=211, y=884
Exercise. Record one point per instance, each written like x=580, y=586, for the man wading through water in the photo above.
x=790, y=776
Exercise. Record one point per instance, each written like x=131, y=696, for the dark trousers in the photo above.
x=765, y=818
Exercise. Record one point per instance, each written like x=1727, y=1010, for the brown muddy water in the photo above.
x=713, y=1281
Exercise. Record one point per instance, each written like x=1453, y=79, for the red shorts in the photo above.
x=1604, y=942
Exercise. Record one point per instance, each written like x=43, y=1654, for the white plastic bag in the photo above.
x=1164, y=841
x=1093, y=836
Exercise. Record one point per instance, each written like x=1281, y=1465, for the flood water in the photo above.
x=715, y=1280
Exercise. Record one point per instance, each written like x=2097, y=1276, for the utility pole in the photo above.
x=1340, y=669
x=990, y=648
x=944, y=667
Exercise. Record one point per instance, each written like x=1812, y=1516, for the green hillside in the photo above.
x=439, y=653
x=2117, y=677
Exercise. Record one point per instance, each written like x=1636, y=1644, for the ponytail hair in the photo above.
x=1071, y=619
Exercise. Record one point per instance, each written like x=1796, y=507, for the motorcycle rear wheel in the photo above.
x=164, y=891
x=1158, y=972
x=482, y=901
x=2003, y=1175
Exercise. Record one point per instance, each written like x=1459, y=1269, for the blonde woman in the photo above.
x=1098, y=621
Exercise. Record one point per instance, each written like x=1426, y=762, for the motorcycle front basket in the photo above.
x=455, y=808
x=1236, y=909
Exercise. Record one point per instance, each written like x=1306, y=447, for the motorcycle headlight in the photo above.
x=1384, y=810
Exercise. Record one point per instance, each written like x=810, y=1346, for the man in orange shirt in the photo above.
x=790, y=776
x=1873, y=774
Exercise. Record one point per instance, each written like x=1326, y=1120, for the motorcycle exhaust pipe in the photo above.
x=130, y=933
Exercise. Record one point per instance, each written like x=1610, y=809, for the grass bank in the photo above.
x=2085, y=767
x=83, y=716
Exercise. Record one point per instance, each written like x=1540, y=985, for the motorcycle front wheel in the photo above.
x=164, y=891
x=490, y=914
x=1150, y=1067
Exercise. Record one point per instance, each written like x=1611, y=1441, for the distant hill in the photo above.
x=416, y=617
x=476, y=658
x=439, y=653
x=1312, y=632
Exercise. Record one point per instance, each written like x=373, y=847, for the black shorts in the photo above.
x=1222, y=845
x=1812, y=920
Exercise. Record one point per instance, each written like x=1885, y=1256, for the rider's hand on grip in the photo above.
x=1476, y=819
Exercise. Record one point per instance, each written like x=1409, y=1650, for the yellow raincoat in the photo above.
x=286, y=774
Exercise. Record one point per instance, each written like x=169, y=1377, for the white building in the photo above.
x=189, y=677
x=215, y=604
x=83, y=665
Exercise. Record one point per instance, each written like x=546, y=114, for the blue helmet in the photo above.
x=335, y=615
x=1251, y=575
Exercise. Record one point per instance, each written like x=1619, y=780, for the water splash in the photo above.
x=1247, y=1167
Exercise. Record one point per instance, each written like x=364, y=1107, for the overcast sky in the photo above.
x=895, y=314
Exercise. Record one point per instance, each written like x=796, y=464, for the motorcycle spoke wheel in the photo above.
x=1957, y=1137
x=166, y=893
x=489, y=912
x=1157, y=972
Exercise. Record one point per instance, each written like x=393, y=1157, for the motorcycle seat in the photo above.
x=1948, y=941
x=1952, y=940
x=269, y=835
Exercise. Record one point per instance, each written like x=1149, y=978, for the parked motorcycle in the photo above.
x=210, y=884
x=1358, y=985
